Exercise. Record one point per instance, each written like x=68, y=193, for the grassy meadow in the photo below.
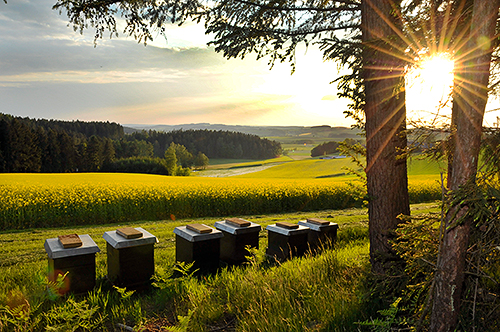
x=318, y=292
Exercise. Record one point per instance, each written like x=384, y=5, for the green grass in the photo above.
x=309, y=169
x=230, y=163
x=325, y=291
x=336, y=168
x=418, y=166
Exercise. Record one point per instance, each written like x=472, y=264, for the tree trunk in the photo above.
x=385, y=112
x=468, y=110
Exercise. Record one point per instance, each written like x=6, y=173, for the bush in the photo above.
x=144, y=165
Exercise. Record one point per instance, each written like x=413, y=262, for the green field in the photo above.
x=325, y=292
x=238, y=163
x=309, y=168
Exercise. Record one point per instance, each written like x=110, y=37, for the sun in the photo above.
x=429, y=85
x=437, y=71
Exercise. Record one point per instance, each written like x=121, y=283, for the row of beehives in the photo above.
x=130, y=251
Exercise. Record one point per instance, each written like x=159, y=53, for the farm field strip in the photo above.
x=310, y=168
x=57, y=200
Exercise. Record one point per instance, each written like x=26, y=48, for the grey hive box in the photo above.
x=130, y=260
x=286, y=240
x=78, y=262
x=238, y=234
x=198, y=244
x=320, y=232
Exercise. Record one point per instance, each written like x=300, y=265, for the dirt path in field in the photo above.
x=220, y=173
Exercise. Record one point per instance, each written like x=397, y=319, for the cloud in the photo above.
x=47, y=70
x=35, y=38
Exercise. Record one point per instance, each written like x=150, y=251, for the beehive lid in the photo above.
x=238, y=222
x=235, y=229
x=194, y=236
x=317, y=221
x=70, y=241
x=287, y=225
x=199, y=228
x=298, y=229
x=55, y=250
x=129, y=232
x=119, y=242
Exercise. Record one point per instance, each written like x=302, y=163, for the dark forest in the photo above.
x=52, y=146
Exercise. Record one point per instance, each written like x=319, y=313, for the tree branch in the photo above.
x=285, y=32
x=85, y=5
x=317, y=9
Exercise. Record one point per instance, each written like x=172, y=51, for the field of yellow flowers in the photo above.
x=55, y=200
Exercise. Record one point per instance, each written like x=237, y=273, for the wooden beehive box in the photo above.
x=200, y=245
x=130, y=257
x=321, y=232
x=286, y=240
x=74, y=256
x=238, y=235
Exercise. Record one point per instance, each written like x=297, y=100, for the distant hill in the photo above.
x=274, y=132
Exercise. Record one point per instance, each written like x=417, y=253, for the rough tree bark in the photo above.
x=385, y=112
x=468, y=110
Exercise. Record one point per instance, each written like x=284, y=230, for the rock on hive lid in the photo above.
x=70, y=241
x=287, y=225
x=318, y=221
x=129, y=233
x=199, y=228
x=238, y=222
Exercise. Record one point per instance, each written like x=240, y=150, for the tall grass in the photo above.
x=304, y=294
x=321, y=292
x=311, y=293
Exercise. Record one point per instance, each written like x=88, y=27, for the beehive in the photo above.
x=321, y=232
x=198, y=244
x=73, y=255
x=286, y=240
x=238, y=235
x=130, y=254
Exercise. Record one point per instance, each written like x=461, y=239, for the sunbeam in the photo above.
x=429, y=84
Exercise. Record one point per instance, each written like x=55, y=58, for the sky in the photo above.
x=49, y=71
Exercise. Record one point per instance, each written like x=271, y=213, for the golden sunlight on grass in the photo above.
x=429, y=84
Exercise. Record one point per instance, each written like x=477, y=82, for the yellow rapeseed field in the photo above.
x=54, y=200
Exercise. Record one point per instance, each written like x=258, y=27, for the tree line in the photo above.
x=31, y=145
x=214, y=144
x=332, y=147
